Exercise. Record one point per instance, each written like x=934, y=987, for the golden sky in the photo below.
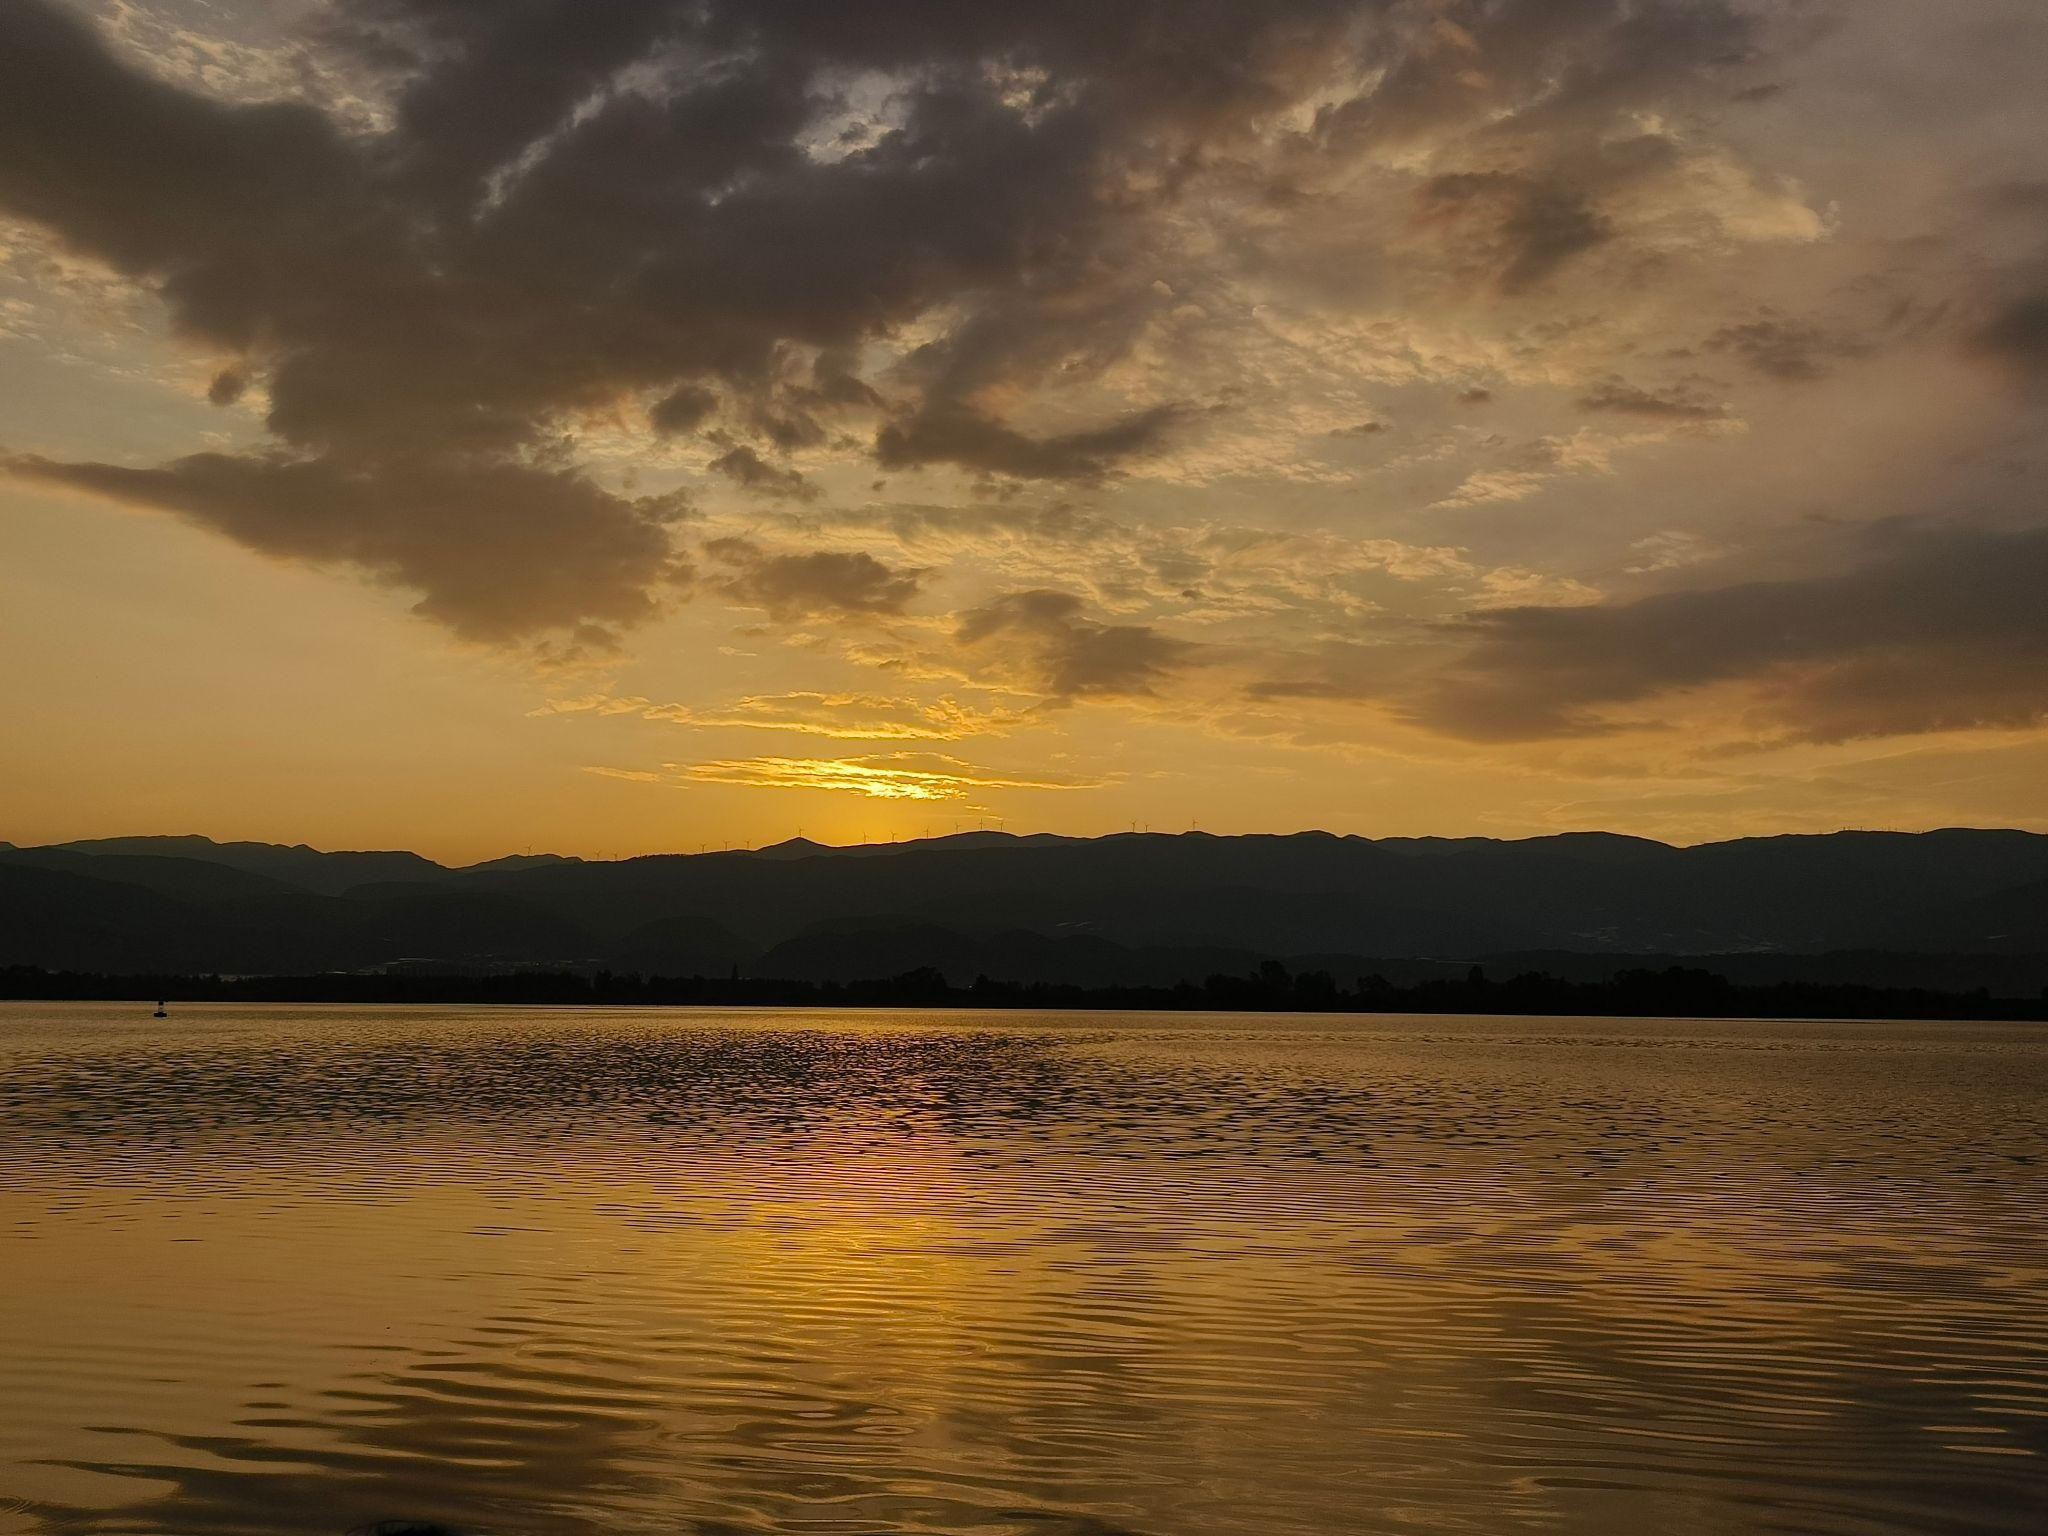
x=642, y=427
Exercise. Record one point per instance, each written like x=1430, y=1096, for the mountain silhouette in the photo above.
x=1129, y=909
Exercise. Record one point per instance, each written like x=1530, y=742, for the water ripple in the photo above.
x=525, y=1272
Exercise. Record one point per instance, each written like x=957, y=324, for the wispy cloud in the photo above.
x=882, y=776
x=837, y=716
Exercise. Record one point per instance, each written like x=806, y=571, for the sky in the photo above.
x=478, y=426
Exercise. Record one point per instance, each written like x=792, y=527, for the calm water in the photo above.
x=300, y=1269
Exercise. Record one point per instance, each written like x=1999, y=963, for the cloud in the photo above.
x=1541, y=66
x=1209, y=573
x=682, y=409
x=960, y=437
x=836, y=716
x=1343, y=671
x=2016, y=335
x=564, y=206
x=1940, y=630
x=1792, y=351
x=1521, y=470
x=552, y=241
x=748, y=470
x=496, y=549
x=1617, y=396
x=1059, y=651
x=1529, y=227
x=561, y=206
x=886, y=776
x=1669, y=550
x=827, y=582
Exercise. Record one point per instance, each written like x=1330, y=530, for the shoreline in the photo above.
x=1671, y=992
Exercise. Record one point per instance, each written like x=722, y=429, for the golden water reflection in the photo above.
x=284, y=1270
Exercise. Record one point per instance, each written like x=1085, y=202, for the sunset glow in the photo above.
x=421, y=431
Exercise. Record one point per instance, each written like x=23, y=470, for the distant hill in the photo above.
x=514, y=861
x=1969, y=906
x=297, y=865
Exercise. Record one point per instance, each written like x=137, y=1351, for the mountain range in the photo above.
x=1958, y=907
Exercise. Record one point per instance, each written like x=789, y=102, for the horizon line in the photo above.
x=800, y=840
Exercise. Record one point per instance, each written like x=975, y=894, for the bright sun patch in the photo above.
x=887, y=776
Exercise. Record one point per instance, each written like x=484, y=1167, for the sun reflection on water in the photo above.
x=306, y=1269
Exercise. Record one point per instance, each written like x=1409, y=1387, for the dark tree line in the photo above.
x=1676, y=991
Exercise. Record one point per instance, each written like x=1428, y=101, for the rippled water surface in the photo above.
x=521, y=1271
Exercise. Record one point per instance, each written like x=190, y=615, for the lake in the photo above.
x=296, y=1269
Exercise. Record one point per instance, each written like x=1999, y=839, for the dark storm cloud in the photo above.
x=716, y=205
x=214, y=200
x=1066, y=654
x=580, y=203
x=683, y=409
x=824, y=582
x=975, y=442
x=498, y=549
x=748, y=470
x=1942, y=630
